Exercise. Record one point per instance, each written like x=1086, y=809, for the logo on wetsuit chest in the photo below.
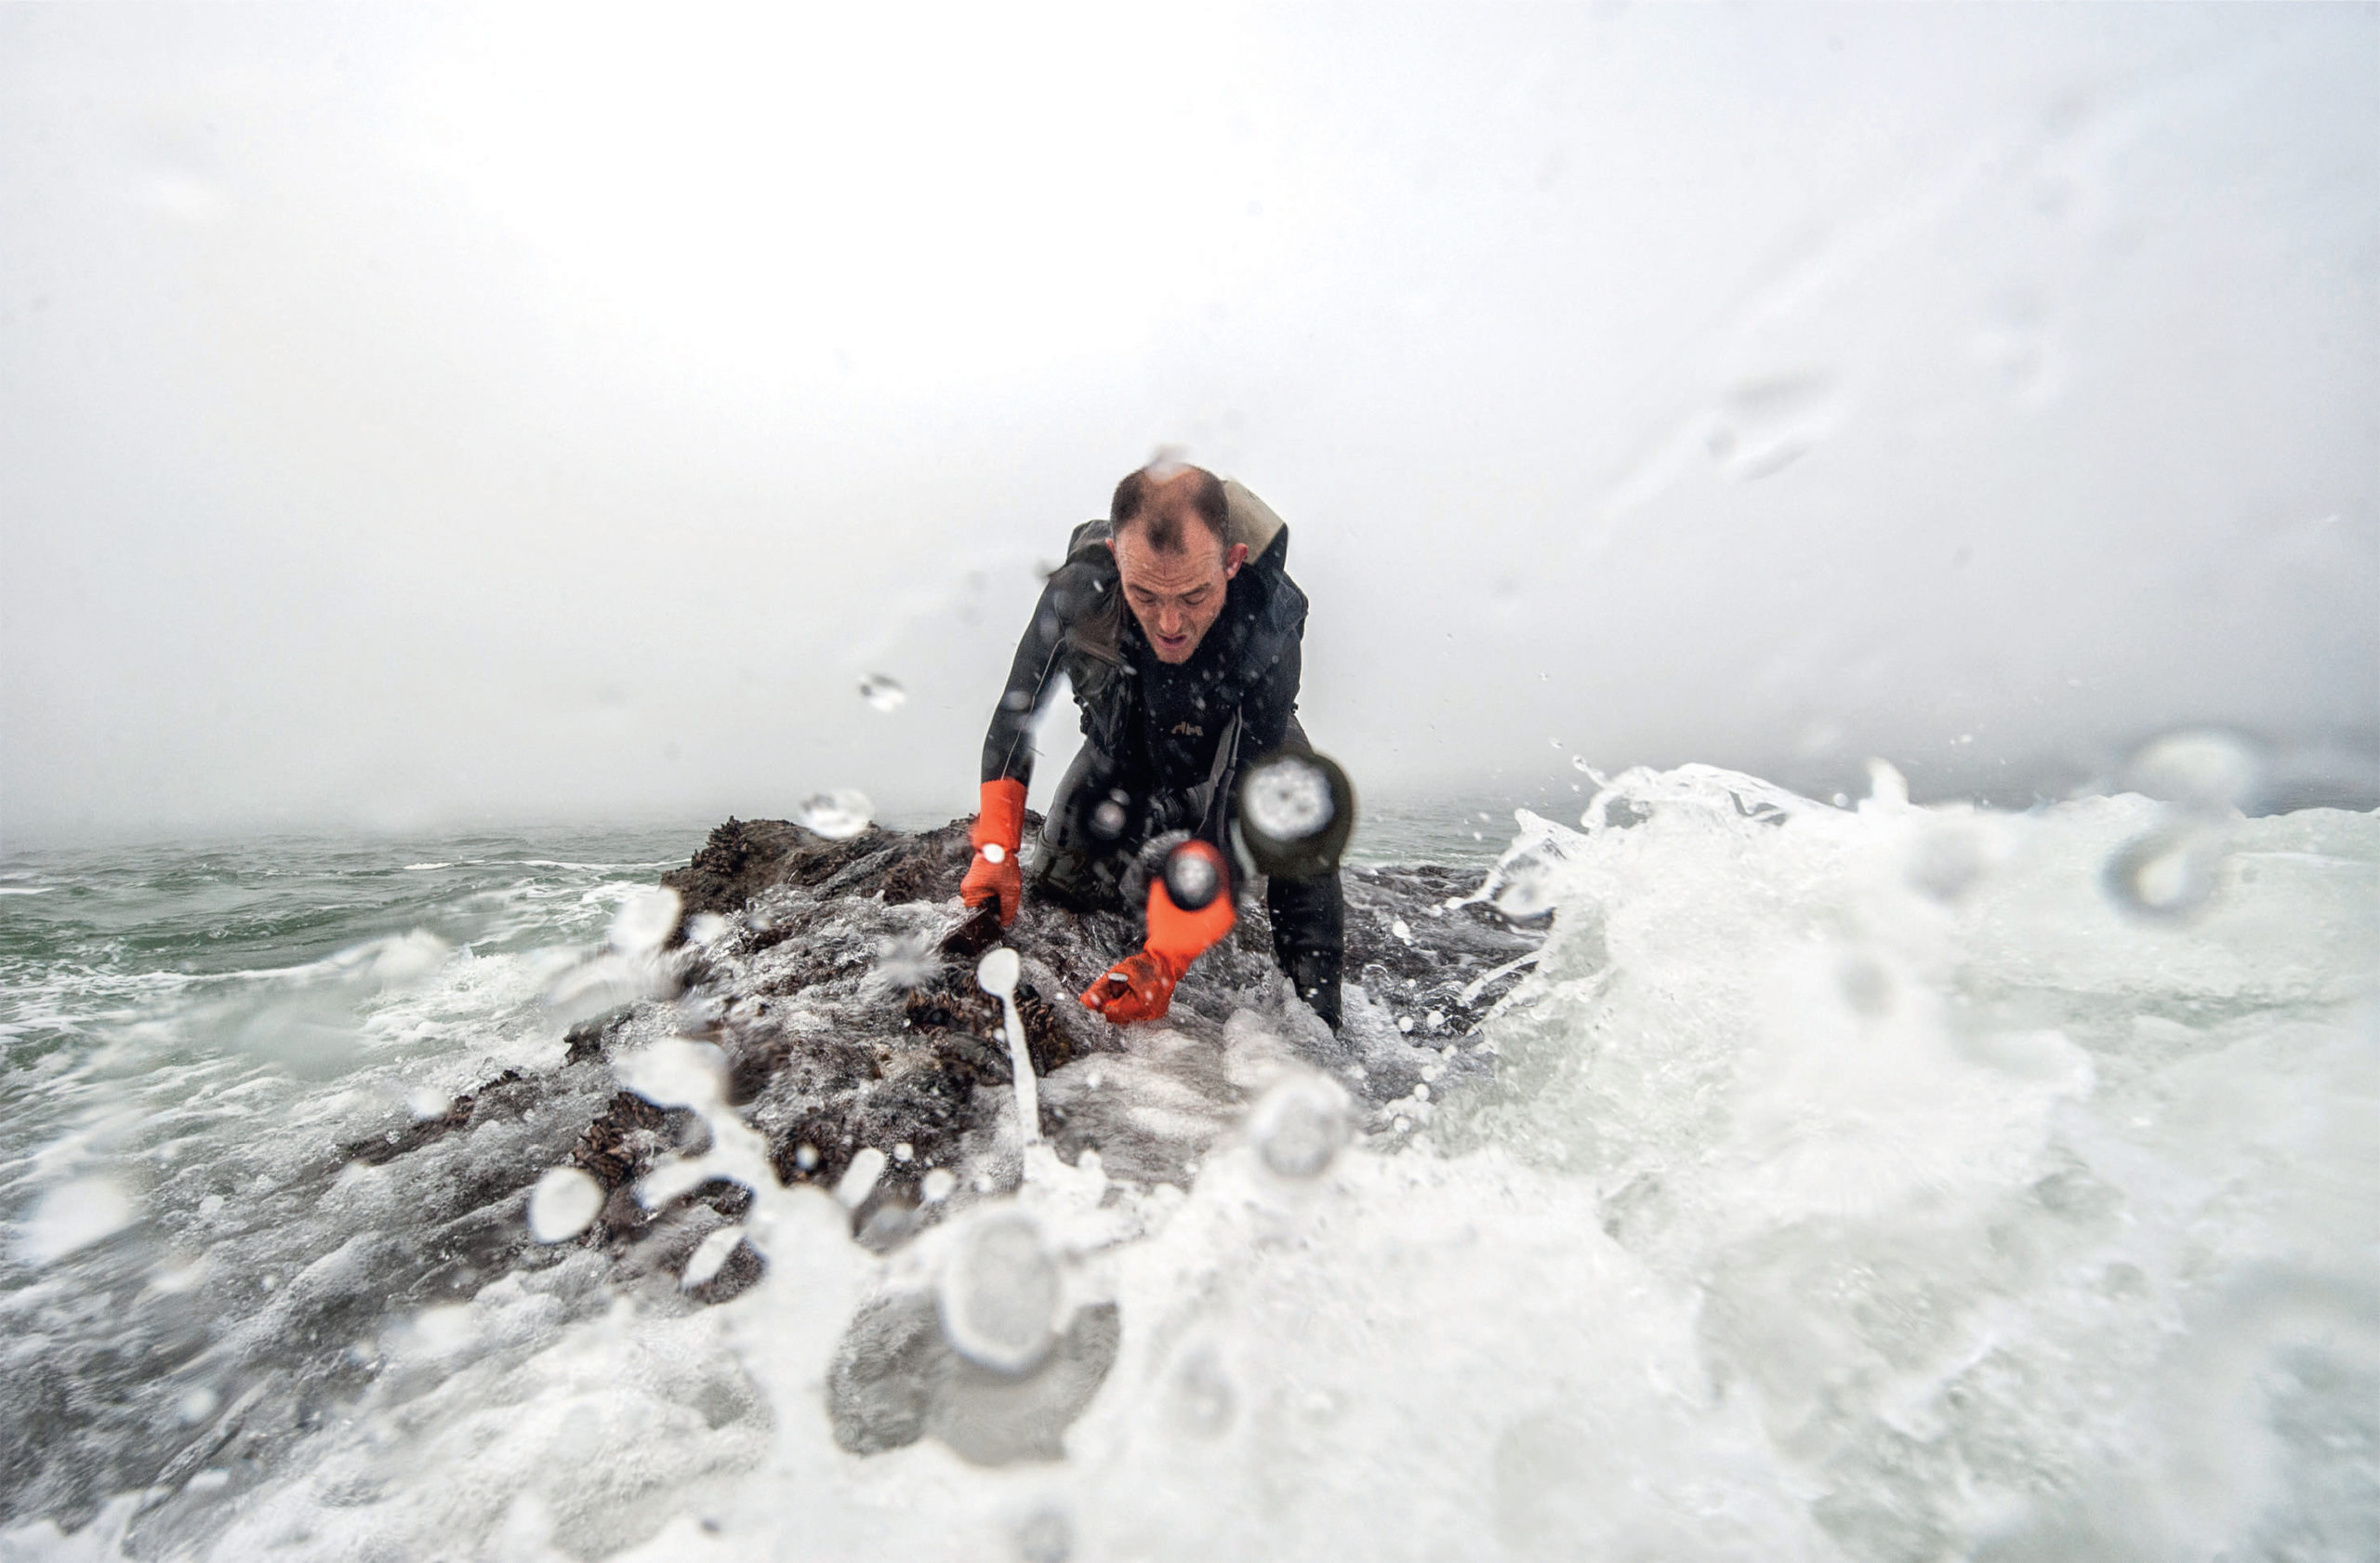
x=1185, y=729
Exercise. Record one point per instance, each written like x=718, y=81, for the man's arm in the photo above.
x=1266, y=709
x=1008, y=744
x=994, y=877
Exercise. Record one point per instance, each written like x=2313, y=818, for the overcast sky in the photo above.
x=413, y=417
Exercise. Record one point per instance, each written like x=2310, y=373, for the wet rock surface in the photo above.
x=837, y=979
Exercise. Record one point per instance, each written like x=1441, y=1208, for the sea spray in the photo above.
x=1855, y=1183
x=997, y=973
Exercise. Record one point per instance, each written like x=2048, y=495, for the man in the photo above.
x=1179, y=628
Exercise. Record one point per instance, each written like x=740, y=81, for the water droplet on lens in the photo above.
x=836, y=815
x=937, y=1185
x=1107, y=819
x=1288, y=801
x=1191, y=879
x=997, y=973
x=1300, y=1125
x=645, y=921
x=708, y=1256
x=859, y=1178
x=2166, y=874
x=1203, y=1400
x=563, y=1204
x=1867, y=988
x=1527, y=889
x=1047, y=1536
x=999, y=1294
x=2205, y=769
x=72, y=1216
x=1946, y=863
x=882, y=693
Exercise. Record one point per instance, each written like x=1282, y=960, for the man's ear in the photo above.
x=1233, y=557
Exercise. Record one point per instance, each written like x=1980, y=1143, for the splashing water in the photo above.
x=1288, y=801
x=997, y=973
x=1838, y=1194
x=563, y=1204
x=999, y=1293
x=836, y=815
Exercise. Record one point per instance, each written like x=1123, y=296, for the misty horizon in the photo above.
x=413, y=420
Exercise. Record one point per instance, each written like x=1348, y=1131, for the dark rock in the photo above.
x=508, y=1092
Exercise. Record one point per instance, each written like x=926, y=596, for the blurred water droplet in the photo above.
x=1764, y=426
x=998, y=972
x=836, y=815
x=1946, y=863
x=907, y=963
x=904, y=1151
x=1300, y=1125
x=1047, y=1536
x=1107, y=819
x=805, y=1156
x=1527, y=889
x=677, y=1072
x=859, y=1178
x=424, y=1103
x=2169, y=873
x=645, y=919
x=564, y=1203
x=1203, y=1399
x=937, y=1185
x=1867, y=986
x=883, y=693
x=2203, y=769
x=999, y=1293
x=196, y=1405
x=706, y=927
x=73, y=1215
x=1288, y=801
x=708, y=1255
x=1191, y=879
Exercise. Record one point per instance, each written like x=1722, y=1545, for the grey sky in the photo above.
x=409, y=416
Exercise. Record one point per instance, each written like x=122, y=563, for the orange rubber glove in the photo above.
x=1140, y=987
x=999, y=830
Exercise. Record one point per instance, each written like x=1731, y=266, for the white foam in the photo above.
x=1840, y=1194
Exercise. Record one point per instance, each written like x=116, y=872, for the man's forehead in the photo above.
x=1200, y=561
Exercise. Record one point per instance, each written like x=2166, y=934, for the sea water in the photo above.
x=1872, y=1183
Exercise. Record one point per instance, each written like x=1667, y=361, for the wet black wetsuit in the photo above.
x=1163, y=745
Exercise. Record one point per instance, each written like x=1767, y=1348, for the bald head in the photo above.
x=1172, y=505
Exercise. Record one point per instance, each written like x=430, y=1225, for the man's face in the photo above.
x=1176, y=596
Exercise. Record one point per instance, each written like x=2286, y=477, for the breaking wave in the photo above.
x=1887, y=1182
